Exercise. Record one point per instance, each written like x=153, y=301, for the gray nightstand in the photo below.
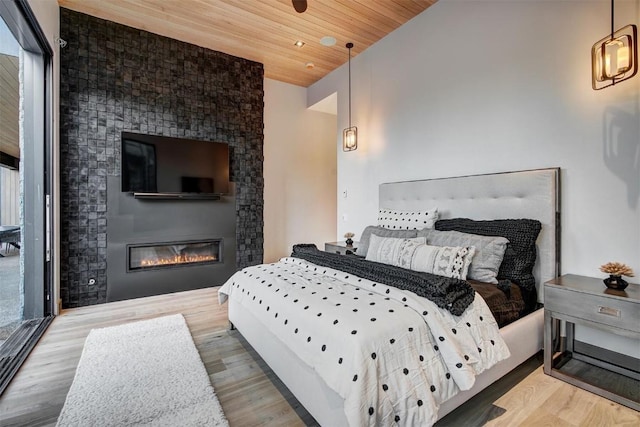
x=587, y=301
x=341, y=248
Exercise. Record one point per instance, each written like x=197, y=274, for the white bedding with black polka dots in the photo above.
x=393, y=356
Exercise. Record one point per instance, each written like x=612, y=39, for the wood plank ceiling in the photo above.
x=9, y=105
x=265, y=30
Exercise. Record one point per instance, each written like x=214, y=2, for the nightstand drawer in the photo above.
x=594, y=308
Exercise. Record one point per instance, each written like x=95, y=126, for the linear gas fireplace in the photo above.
x=166, y=246
x=173, y=254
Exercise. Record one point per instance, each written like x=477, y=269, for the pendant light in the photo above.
x=615, y=57
x=350, y=134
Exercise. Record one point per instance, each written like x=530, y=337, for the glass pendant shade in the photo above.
x=350, y=139
x=615, y=58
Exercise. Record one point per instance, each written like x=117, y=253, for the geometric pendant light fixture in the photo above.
x=615, y=57
x=350, y=134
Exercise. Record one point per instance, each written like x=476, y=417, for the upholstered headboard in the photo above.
x=533, y=194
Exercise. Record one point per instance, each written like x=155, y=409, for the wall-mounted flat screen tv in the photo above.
x=162, y=165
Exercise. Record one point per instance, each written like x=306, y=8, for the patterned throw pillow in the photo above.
x=365, y=237
x=414, y=254
x=520, y=255
x=407, y=220
x=489, y=251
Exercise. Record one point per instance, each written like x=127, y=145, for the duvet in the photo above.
x=393, y=356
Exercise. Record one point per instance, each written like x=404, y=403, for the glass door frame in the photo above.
x=38, y=113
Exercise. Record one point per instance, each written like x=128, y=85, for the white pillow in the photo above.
x=414, y=254
x=365, y=237
x=387, y=249
x=407, y=220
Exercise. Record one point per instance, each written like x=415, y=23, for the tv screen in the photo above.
x=192, y=184
x=154, y=164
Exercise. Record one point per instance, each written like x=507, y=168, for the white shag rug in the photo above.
x=142, y=373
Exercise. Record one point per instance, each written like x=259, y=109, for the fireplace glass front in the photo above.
x=174, y=254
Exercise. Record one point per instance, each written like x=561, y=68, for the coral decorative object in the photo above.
x=616, y=270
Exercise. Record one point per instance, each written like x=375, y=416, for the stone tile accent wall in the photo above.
x=115, y=78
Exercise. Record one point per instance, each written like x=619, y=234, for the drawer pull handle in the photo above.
x=609, y=311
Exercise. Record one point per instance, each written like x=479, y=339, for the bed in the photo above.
x=530, y=194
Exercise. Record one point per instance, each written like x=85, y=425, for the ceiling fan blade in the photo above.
x=299, y=5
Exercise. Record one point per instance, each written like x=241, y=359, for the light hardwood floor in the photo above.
x=249, y=392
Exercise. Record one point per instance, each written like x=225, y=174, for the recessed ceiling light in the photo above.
x=309, y=65
x=328, y=41
x=299, y=43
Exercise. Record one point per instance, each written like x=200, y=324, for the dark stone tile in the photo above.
x=115, y=78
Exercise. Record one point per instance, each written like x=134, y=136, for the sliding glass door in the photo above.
x=11, y=294
x=25, y=151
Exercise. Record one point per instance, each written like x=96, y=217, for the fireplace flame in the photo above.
x=177, y=259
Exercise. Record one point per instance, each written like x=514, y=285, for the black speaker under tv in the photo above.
x=176, y=166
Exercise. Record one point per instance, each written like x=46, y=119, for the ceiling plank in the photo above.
x=264, y=30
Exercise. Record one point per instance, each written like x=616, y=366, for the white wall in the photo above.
x=299, y=171
x=47, y=13
x=487, y=86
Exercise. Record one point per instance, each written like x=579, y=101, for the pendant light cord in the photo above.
x=349, y=46
x=611, y=19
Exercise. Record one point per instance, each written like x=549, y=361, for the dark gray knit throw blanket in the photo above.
x=452, y=294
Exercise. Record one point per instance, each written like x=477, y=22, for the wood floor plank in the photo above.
x=249, y=392
x=533, y=391
x=542, y=418
x=606, y=413
x=570, y=404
